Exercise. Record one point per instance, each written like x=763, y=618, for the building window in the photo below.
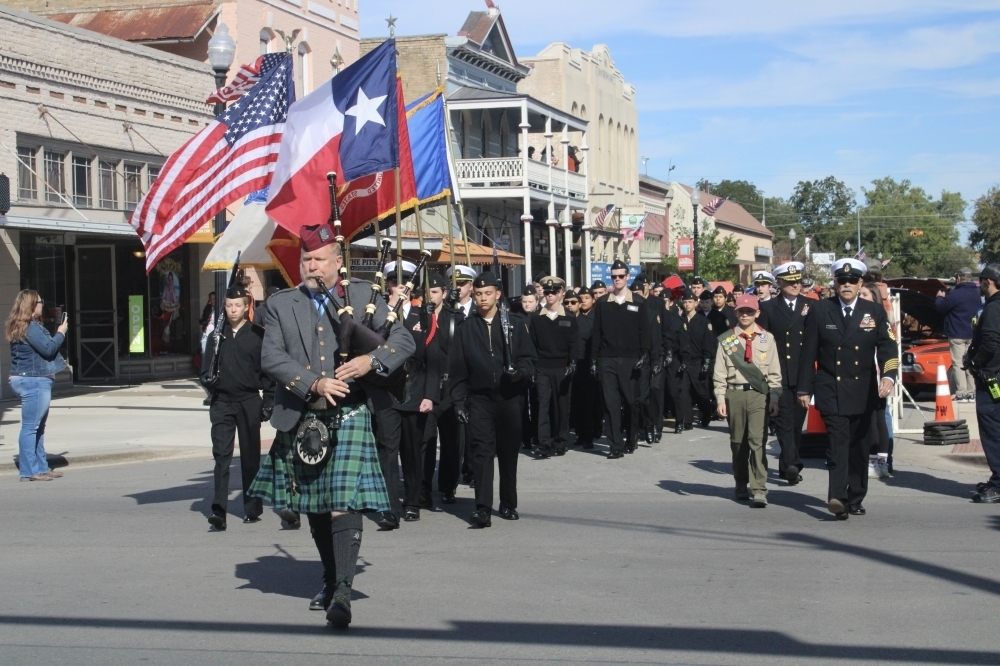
x=109, y=184
x=81, y=182
x=265, y=41
x=133, y=185
x=27, y=184
x=54, y=175
x=303, y=70
x=152, y=173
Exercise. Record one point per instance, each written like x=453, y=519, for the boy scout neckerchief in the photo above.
x=748, y=356
x=731, y=343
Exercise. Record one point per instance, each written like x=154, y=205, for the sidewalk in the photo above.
x=108, y=425
x=959, y=458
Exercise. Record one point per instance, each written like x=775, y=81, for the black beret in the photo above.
x=706, y=295
x=689, y=296
x=237, y=291
x=598, y=284
x=641, y=278
x=719, y=290
x=700, y=280
x=529, y=290
x=618, y=265
x=583, y=291
x=486, y=279
x=436, y=280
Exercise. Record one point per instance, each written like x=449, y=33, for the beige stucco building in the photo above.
x=589, y=85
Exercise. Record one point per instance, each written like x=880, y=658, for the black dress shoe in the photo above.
x=291, y=518
x=989, y=496
x=447, y=498
x=218, y=522
x=688, y=426
x=339, y=612
x=387, y=520
x=508, y=514
x=322, y=599
x=481, y=518
x=792, y=475
x=615, y=455
x=251, y=519
x=837, y=508
x=678, y=429
x=856, y=510
x=411, y=514
x=560, y=452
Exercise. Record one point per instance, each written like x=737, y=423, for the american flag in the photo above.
x=862, y=255
x=712, y=206
x=232, y=157
x=246, y=78
x=603, y=215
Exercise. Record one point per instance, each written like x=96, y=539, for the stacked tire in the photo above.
x=946, y=433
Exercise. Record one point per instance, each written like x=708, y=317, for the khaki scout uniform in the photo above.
x=746, y=401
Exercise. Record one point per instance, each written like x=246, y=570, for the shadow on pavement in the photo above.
x=285, y=575
x=929, y=484
x=706, y=640
x=199, y=490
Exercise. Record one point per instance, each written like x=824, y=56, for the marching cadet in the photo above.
x=236, y=404
x=784, y=317
x=746, y=372
x=651, y=377
x=556, y=338
x=764, y=285
x=463, y=283
x=698, y=346
x=845, y=334
x=585, y=394
x=619, y=349
x=323, y=461
x=598, y=289
x=442, y=422
x=421, y=392
x=722, y=316
x=488, y=378
x=675, y=343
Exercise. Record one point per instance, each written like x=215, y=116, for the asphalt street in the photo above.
x=642, y=560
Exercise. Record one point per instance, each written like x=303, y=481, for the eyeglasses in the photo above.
x=853, y=279
x=572, y=302
x=550, y=292
x=619, y=277
x=790, y=281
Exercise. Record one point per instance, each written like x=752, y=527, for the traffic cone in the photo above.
x=944, y=411
x=814, y=439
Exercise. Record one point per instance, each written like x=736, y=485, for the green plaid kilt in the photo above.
x=350, y=479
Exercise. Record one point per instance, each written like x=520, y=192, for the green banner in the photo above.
x=136, y=326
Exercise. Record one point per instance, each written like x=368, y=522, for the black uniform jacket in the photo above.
x=557, y=341
x=844, y=382
x=585, y=328
x=788, y=328
x=699, y=342
x=424, y=368
x=240, y=375
x=656, y=311
x=620, y=330
x=672, y=335
x=441, y=346
x=722, y=319
x=985, y=348
x=477, y=358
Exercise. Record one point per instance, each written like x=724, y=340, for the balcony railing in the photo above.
x=509, y=172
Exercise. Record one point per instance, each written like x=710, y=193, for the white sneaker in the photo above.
x=882, y=468
x=873, y=469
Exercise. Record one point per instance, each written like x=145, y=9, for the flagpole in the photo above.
x=399, y=227
x=465, y=234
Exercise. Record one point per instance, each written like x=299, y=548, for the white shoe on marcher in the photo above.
x=882, y=468
x=873, y=469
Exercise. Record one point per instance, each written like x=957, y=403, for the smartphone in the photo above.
x=63, y=319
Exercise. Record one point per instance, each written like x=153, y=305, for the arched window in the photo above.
x=303, y=75
x=574, y=109
x=266, y=39
x=583, y=112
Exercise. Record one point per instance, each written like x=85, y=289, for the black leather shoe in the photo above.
x=387, y=520
x=218, y=522
x=411, y=515
x=560, y=452
x=982, y=487
x=339, y=612
x=657, y=436
x=481, y=518
x=837, y=508
x=615, y=455
x=251, y=519
x=508, y=514
x=856, y=510
x=678, y=429
x=447, y=498
x=291, y=518
x=688, y=426
x=322, y=599
x=649, y=437
x=792, y=475
x=989, y=496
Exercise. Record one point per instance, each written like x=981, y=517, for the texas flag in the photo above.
x=349, y=125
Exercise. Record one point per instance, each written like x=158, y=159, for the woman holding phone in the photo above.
x=35, y=360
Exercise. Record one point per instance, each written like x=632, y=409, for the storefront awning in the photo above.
x=64, y=226
x=479, y=254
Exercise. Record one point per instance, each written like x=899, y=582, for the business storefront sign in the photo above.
x=600, y=270
x=685, y=254
x=136, y=325
x=364, y=264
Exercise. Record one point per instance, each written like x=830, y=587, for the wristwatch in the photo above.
x=375, y=363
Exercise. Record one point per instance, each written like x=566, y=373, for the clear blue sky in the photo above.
x=777, y=91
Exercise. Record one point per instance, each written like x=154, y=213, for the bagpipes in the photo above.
x=220, y=308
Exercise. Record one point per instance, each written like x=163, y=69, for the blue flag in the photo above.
x=425, y=120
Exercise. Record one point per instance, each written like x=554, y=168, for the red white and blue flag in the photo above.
x=232, y=157
x=349, y=125
x=713, y=205
x=862, y=255
x=246, y=78
x=603, y=215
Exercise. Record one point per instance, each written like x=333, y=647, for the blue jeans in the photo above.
x=35, y=394
x=988, y=415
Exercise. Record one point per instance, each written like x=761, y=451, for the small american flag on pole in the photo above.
x=245, y=79
x=862, y=255
x=232, y=157
x=603, y=215
x=712, y=206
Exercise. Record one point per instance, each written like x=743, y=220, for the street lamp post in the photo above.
x=791, y=239
x=695, y=200
x=221, y=53
x=668, y=198
x=847, y=247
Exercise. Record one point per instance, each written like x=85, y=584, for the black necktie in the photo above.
x=791, y=305
x=847, y=316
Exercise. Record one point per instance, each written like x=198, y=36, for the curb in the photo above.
x=117, y=458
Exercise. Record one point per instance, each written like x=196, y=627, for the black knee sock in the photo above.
x=346, y=540
x=319, y=525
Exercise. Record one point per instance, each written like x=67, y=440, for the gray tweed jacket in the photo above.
x=300, y=347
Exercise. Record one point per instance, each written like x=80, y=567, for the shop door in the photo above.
x=96, y=319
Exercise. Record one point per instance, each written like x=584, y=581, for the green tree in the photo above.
x=716, y=255
x=986, y=236
x=902, y=221
x=822, y=208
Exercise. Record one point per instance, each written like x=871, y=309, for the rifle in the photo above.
x=220, y=308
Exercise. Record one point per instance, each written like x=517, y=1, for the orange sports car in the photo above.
x=924, y=345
